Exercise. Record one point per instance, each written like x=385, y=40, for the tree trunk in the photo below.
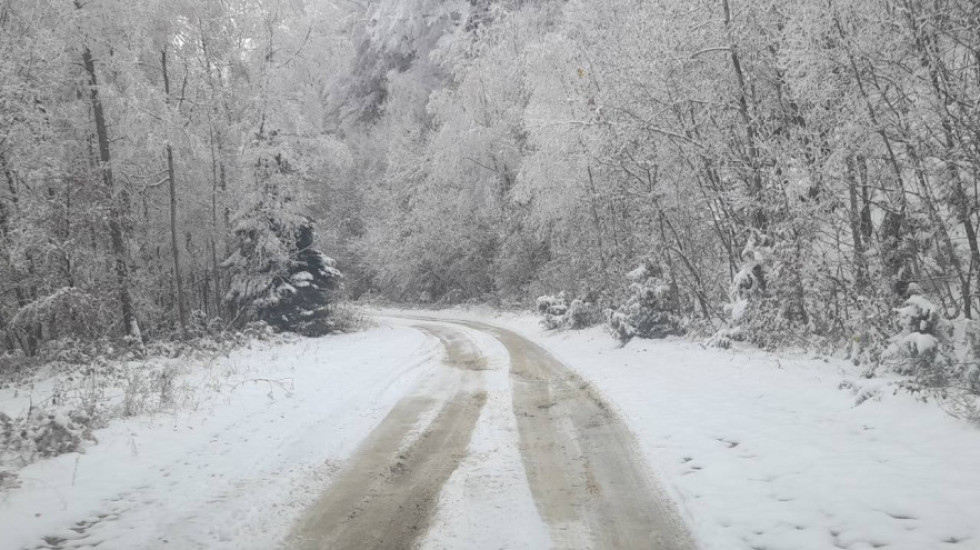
x=174, y=246
x=25, y=341
x=759, y=219
x=115, y=225
x=598, y=228
x=860, y=261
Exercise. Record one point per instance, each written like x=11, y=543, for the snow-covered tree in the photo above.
x=923, y=348
x=279, y=278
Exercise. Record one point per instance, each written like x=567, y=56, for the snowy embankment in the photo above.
x=781, y=453
x=269, y=429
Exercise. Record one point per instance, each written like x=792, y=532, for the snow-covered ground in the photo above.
x=759, y=451
x=769, y=452
x=237, y=471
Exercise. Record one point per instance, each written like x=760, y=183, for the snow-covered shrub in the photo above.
x=970, y=373
x=153, y=387
x=725, y=338
x=8, y=480
x=14, y=362
x=961, y=404
x=553, y=310
x=862, y=392
x=770, y=300
x=43, y=434
x=201, y=325
x=650, y=310
x=937, y=366
x=869, y=332
x=58, y=434
x=922, y=349
x=6, y=430
x=582, y=314
x=962, y=398
x=347, y=318
x=752, y=306
x=558, y=312
x=148, y=388
x=80, y=314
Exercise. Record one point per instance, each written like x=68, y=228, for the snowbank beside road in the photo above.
x=768, y=452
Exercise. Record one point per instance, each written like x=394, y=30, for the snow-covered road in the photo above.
x=580, y=463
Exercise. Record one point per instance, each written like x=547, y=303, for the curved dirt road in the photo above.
x=582, y=465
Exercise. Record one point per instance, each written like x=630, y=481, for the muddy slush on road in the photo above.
x=581, y=461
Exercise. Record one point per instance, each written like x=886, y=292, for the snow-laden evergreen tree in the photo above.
x=920, y=347
x=278, y=277
x=923, y=348
x=925, y=351
x=276, y=274
x=304, y=299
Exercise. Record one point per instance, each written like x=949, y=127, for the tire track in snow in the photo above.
x=581, y=460
x=388, y=496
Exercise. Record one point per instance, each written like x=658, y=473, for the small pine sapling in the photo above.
x=922, y=349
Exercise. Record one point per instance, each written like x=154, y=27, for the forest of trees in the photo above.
x=141, y=143
x=801, y=168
